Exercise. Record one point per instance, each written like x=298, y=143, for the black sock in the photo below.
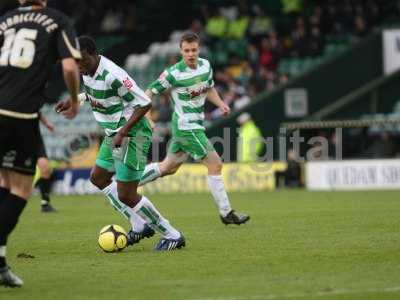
x=3, y=262
x=3, y=193
x=44, y=187
x=10, y=210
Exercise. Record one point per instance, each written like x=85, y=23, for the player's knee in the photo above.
x=172, y=170
x=44, y=166
x=98, y=180
x=168, y=168
x=216, y=167
x=129, y=198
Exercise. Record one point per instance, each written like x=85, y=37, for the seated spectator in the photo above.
x=197, y=27
x=237, y=28
x=275, y=45
x=315, y=42
x=242, y=99
x=236, y=67
x=113, y=21
x=360, y=28
x=291, y=7
x=216, y=25
x=267, y=59
x=260, y=24
x=299, y=39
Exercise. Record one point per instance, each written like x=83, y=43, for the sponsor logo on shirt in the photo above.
x=97, y=105
x=127, y=83
x=197, y=92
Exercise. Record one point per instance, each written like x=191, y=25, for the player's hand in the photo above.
x=225, y=109
x=72, y=111
x=62, y=106
x=151, y=122
x=118, y=139
x=50, y=126
x=68, y=108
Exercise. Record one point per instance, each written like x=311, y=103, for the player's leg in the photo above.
x=4, y=187
x=168, y=166
x=143, y=207
x=102, y=179
x=18, y=156
x=10, y=210
x=44, y=183
x=216, y=184
x=130, y=161
x=199, y=147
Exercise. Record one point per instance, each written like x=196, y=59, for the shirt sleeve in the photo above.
x=129, y=91
x=67, y=43
x=164, y=82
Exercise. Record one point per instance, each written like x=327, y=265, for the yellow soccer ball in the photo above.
x=112, y=238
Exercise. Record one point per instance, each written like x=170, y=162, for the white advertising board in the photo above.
x=353, y=174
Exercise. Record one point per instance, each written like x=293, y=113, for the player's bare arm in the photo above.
x=214, y=98
x=124, y=131
x=46, y=122
x=71, y=77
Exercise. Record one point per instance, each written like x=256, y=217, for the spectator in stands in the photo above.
x=360, y=28
x=236, y=67
x=197, y=27
x=283, y=78
x=242, y=99
x=275, y=45
x=299, y=39
x=216, y=25
x=237, y=28
x=260, y=24
x=292, y=7
x=253, y=57
x=267, y=59
x=315, y=42
x=113, y=21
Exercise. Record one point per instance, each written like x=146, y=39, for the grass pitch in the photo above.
x=298, y=245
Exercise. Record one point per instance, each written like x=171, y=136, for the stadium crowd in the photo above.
x=246, y=41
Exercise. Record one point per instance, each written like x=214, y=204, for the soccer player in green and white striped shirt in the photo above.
x=191, y=82
x=119, y=106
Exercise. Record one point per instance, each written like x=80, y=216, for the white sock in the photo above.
x=151, y=173
x=2, y=251
x=111, y=193
x=217, y=187
x=155, y=220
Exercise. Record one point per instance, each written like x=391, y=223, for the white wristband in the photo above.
x=82, y=98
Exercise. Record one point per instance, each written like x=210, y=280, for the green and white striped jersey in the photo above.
x=189, y=89
x=113, y=96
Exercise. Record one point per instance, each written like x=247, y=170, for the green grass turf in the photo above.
x=298, y=245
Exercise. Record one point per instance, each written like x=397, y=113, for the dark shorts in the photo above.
x=19, y=144
x=41, y=148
